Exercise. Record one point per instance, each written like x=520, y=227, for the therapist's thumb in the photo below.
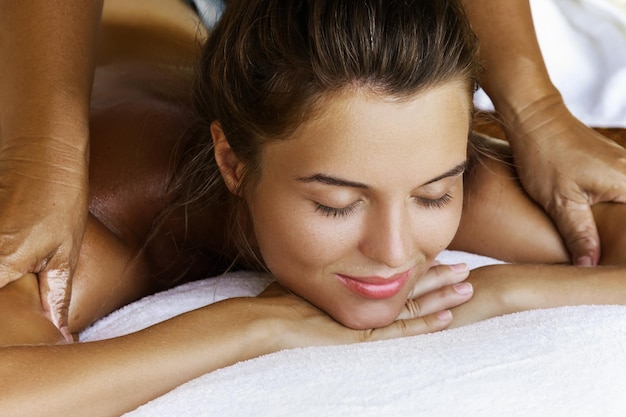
x=577, y=226
x=55, y=290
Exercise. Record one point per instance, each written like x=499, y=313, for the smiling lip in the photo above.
x=375, y=287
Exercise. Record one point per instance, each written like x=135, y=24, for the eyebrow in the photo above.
x=330, y=180
x=457, y=170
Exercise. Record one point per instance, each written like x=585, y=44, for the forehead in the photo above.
x=358, y=132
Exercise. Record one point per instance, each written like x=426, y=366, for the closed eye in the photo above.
x=335, y=212
x=440, y=202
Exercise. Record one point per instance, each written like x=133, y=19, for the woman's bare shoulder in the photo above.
x=499, y=219
x=22, y=320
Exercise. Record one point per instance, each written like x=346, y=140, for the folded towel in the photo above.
x=584, y=46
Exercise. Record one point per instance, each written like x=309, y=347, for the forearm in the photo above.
x=47, y=48
x=114, y=376
x=546, y=286
x=505, y=289
x=515, y=74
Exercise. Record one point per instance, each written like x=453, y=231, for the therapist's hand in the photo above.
x=566, y=167
x=43, y=211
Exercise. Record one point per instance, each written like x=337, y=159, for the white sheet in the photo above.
x=558, y=362
x=563, y=362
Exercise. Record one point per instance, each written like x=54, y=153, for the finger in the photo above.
x=577, y=225
x=448, y=297
x=55, y=290
x=439, y=276
x=410, y=327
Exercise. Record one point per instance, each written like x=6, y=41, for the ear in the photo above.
x=229, y=165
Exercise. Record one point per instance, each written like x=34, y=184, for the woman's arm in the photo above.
x=563, y=165
x=505, y=289
x=38, y=376
x=114, y=376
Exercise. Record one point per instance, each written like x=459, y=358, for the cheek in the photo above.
x=441, y=227
x=293, y=240
x=453, y=218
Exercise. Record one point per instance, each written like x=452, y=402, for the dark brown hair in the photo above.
x=268, y=64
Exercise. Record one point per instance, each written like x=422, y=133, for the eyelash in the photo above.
x=335, y=212
x=436, y=203
x=346, y=211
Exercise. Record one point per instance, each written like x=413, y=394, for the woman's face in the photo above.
x=352, y=210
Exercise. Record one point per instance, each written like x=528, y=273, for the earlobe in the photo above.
x=229, y=165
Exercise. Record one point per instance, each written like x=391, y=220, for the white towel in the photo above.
x=165, y=305
x=162, y=306
x=568, y=361
x=565, y=362
x=584, y=45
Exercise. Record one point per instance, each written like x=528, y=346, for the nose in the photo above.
x=387, y=237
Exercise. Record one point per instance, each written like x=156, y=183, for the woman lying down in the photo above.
x=324, y=142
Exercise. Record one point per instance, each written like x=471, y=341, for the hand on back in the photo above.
x=43, y=210
x=567, y=167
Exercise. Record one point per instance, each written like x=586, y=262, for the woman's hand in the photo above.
x=43, y=210
x=438, y=290
x=567, y=167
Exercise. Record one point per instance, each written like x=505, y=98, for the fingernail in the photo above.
x=584, y=261
x=459, y=267
x=445, y=315
x=463, y=288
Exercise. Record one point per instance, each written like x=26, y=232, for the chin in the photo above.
x=367, y=318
